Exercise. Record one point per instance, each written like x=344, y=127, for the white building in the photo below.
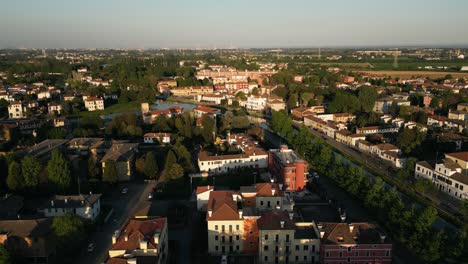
x=94, y=104
x=151, y=138
x=449, y=176
x=16, y=110
x=54, y=108
x=85, y=206
x=256, y=103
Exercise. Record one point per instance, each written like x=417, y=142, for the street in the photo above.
x=125, y=206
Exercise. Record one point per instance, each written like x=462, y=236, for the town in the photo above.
x=233, y=156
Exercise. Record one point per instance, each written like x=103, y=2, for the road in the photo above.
x=125, y=206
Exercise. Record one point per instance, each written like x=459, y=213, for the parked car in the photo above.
x=91, y=247
x=124, y=190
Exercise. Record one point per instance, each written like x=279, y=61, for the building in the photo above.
x=354, y=243
x=283, y=240
x=343, y=117
x=149, y=116
x=288, y=168
x=449, y=175
x=348, y=138
x=302, y=112
x=252, y=156
x=275, y=103
x=94, y=103
x=54, y=108
x=16, y=110
x=141, y=241
x=383, y=105
x=165, y=85
x=192, y=91
x=256, y=103
x=151, y=138
x=86, y=206
x=298, y=78
x=376, y=130
x=211, y=98
x=123, y=155
x=31, y=241
x=200, y=111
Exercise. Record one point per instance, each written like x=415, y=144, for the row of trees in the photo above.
x=412, y=226
x=26, y=175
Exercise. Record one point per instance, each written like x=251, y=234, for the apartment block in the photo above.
x=288, y=168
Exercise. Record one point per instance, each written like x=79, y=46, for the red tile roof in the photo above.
x=459, y=155
x=362, y=233
x=137, y=230
x=271, y=220
x=222, y=206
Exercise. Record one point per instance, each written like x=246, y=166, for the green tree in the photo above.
x=161, y=124
x=30, y=168
x=367, y=96
x=4, y=255
x=15, y=179
x=208, y=129
x=409, y=139
x=151, y=166
x=175, y=172
x=69, y=231
x=59, y=171
x=110, y=174
x=373, y=196
x=170, y=159
x=93, y=169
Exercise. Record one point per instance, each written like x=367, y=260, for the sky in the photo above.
x=239, y=23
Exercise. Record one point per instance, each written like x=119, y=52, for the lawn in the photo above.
x=117, y=108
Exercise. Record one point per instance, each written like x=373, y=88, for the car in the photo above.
x=150, y=196
x=224, y=259
x=124, y=190
x=91, y=247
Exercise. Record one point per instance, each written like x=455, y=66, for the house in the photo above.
x=16, y=110
x=348, y=79
x=343, y=118
x=54, y=108
x=123, y=154
x=301, y=112
x=31, y=241
x=200, y=111
x=298, y=78
x=348, y=138
x=457, y=139
x=354, y=243
x=256, y=103
x=94, y=103
x=165, y=85
x=191, y=91
x=10, y=206
x=149, y=116
x=288, y=168
x=275, y=103
x=86, y=206
x=282, y=239
x=449, y=175
x=151, y=138
x=140, y=241
x=376, y=130
x=252, y=156
x=211, y=98
x=203, y=194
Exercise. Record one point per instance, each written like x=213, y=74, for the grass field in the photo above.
x=409, y=74
x=117, y=108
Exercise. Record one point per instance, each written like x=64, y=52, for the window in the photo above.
x=261, y=203
x=297, y=258
x=222, y=228
x=297, y=247
x=216, y=227
x=216, y=238
x=313, y=249
x=341, y=254
x=287, y=238
x=349, y=260
x=305, y=258
x=277, y=238
x=237, y=248
x=328, y=254
x=216, y=248
x=237, y=227
x=266, y=237
x=230, y=228
x=237, y=237
x=266, y=258
x=349, y=249
x=367, y=253
x=265, y=248
x=387, y=253
x=306, y=247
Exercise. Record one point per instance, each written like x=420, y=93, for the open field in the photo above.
x=409, y=74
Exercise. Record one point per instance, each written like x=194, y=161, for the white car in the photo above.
x=124, y=190
x=91, y=247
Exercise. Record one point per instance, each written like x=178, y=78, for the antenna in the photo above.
x=395, y=59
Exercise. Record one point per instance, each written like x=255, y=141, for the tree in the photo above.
x=110, y=172
x=170, y=159
x=367, y=96
x=255, y=91
x=15, y=180
x=4, y=255
x=93, y=170
x=208, y=125
x=434, y=103
x=409, y=139
x=176, y=171
x=30, y=168
x=69, y=231
x=59, y=171
x=161, y=124
x=464, y=209
x=151, y=166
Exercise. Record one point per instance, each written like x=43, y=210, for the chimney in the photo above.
x=322, y=234
x=52, y=202
x=66, y=200
x=382, y=238
x=126, y=237
x=351, y=228
x=319, y=226
x=156, y=238
x=272, y=180
x=282, y=224
x=210, y=213
x=273, y=191
x=291, y=215
x=241, y=213
x=280, y=186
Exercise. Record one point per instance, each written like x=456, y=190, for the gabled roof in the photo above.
x=222, y=206
x=362, y=233
x=271, y=220
x=26, y=228
x=266, y=189
x=138, y=230
x=72, y=201
x=459, y=155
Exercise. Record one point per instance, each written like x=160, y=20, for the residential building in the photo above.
x=376, y=130
x=298, y=78
x=275, y=103
x=142, y=240
x=54, y=108
x=123, y=154
x=252, y=156
x=29, y=241
x=348, y=138
x=165, y=85
x=94, y=103
x=343, y=117
x=256, y=103
x=192, y=91
x=200, y=111
x=16, y=110
x=283, y=240
x=86, y=206
x=288, y=168
x=301, y=112
x=449, y=175
x=354, y=243
x=211, y=98
x=149, y=116
x=151, y=138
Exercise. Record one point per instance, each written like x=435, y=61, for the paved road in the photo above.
x=125, y=206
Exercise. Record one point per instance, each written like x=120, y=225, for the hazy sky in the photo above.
x=218, y=23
